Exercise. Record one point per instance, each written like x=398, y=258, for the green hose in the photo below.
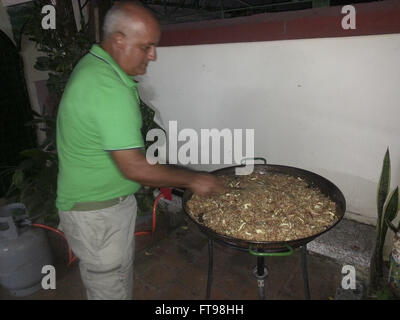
x=272, y=254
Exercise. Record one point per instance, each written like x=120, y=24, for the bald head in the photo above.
x=127, y=17
x=130, y=35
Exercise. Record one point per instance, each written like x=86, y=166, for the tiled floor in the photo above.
x=172, y=265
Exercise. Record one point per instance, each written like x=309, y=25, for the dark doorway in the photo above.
x=15, y=110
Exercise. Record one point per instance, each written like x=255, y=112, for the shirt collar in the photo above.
x=98, y=52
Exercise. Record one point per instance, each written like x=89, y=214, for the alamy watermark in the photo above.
x=349, y=20
x=349, y=277
x=203, y=148
x=49, y=280
x=49, y=20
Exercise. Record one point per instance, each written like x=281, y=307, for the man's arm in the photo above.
x=134, y=166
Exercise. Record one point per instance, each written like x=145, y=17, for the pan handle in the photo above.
x=243, y=161
x=272, y=254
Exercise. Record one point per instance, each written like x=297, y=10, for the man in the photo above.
x=101, y=156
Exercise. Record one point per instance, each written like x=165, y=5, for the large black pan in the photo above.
x=314, y=180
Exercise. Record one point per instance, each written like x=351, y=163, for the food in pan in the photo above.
x=265, y=206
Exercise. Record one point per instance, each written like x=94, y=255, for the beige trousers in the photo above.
x=104, y=242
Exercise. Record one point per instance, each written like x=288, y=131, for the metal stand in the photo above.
x=210, y=267
x=305, y=272
x=260, y=271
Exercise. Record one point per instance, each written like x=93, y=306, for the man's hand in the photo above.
x=205, y=184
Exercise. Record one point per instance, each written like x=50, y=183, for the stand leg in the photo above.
x=305, y=272
x=210, y=267
x=260, y=272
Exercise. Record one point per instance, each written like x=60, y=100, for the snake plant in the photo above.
x=388, y=207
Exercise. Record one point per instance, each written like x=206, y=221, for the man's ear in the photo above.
x=119, y=39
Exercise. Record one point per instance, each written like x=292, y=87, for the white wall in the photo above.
x=29, y=54
x=328, y=105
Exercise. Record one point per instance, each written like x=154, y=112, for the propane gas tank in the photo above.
x=23, y=253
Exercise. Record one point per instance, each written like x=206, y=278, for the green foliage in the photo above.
x=148, y=122
x=384, y=294
x=34, y=183
x=388, y=207
x=34, y=179
x=47, y=124
x=145, y=201
x=63, y=47
x=384, y=185
x=390, y=212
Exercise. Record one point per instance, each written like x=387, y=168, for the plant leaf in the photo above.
x=389, y=213
x=392, y=227
x=390, y=210
x=42, y=63
x=383, y=190
x=18, y=178
x=392, y=206
x=384, y=184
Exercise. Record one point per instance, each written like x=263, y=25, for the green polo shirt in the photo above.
x=99, y=112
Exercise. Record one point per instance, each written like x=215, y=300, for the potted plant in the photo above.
x=388, y=207
x=394, y=261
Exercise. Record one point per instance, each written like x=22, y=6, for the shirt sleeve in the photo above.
x=118, y=119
